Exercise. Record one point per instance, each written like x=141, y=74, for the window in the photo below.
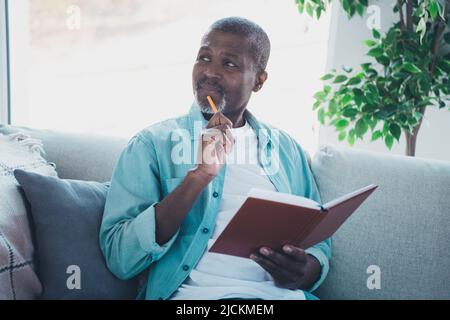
x=4, y=62
x=115, y=66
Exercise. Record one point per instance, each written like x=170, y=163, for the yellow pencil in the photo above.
x=211, y=103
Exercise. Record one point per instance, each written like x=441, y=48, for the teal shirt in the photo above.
x=152, y=165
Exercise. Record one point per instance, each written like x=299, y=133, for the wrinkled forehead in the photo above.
x=216, y=39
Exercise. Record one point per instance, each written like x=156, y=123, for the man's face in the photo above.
x=223, y=70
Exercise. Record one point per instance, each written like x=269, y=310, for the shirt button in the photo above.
x=205, y=230
x=185, y=267
x=215, y=194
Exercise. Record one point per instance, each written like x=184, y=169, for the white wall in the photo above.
x=346, y=48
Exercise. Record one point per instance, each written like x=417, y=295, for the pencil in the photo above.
x=211, y=103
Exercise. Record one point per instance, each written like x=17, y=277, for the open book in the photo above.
x=274, y=219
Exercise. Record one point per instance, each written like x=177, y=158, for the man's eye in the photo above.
x=203, y=58
x=230, y=64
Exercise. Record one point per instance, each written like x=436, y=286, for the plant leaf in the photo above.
x=411, y=68
x=332, y=107
x=316, y=104
x=328, y=76
x=360, y=9
x=340, y=78
x=321, y=96
x=351, y=137
x=349, y=112
x=389, y=141
x=346, y=100
x=361, y=128
x=319, y=12
x=347, y=69
x=321, y=116
x=370, y=43
x=375, y=52
x=341, y=124
x=395, y=130
x=433, y=9
x=376, y=34
x=309, y=9
x=354, y=81
x=422, y=28
x=376, y=135
x=342, y=135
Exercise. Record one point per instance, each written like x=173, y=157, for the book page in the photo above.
x=283, y=198
x=347, y=196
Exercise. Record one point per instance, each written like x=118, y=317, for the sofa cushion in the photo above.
x=66, y=219
x=402, y=229
x=18, y=279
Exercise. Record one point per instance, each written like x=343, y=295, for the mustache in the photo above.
x=215, y=85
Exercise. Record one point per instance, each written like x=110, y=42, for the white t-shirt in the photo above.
x=219, y=276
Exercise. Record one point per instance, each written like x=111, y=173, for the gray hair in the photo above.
x=259, y=41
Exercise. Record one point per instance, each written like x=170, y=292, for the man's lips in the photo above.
x=214, y=92
x=208, y=88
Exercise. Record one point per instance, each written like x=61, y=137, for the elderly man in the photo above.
x=162, y=214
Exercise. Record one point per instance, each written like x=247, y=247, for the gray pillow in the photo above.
x=65, y=218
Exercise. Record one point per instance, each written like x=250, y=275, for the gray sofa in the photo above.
x=396, y=246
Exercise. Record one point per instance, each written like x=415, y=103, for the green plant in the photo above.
x=410, y=72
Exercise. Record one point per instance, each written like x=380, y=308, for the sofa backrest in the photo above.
x=402, y=230
x=80, y=156
x=77, y=156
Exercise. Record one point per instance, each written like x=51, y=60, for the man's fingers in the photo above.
x=218, y=130
x=229, y=139
x=282, y=277
x=228, y=145
x=223, y=133
x=218, y=119
x=270, y=267
x=226, y=130
x=215, y=134
x=282, y=260
x=229, y=135
x=295, y=252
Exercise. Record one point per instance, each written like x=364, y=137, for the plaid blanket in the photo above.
x=18, y=279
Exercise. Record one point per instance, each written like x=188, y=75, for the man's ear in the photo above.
x=261, y=77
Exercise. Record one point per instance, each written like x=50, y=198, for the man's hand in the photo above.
x=215, y=143
x=172, y=209
x=291, y=269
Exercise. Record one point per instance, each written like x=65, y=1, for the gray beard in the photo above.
x=206, y=108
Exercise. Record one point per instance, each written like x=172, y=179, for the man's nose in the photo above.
x=213, y=71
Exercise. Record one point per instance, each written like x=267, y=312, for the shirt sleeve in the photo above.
x=127, y=232
x=322, y=250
